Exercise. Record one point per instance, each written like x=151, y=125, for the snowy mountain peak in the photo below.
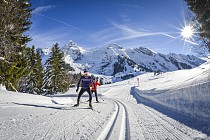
x=74, y=50
x=114, y=46
x=114, y=60
x=46, y=51
x=71, y=45
x=145, y=51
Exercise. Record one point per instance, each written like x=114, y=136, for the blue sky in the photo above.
x=154, y=24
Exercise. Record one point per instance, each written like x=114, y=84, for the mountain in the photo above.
x=45, y=53
x=114, y=60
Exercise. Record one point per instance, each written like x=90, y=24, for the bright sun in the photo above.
x=187, y=32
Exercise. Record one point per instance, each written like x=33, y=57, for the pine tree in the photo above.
x=32, y=82
x=38, y=74
x=12, y=71
x=56, y=76
x=201, y=9
x=15, y=20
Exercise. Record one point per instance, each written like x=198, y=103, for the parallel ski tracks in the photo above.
x=120, y=114
x=162, y=127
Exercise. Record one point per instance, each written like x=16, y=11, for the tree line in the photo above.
x=21, y=67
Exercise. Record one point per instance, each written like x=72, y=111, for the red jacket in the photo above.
x=96, y=84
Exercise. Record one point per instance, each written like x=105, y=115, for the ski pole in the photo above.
x=101, y=98
x=100, y=95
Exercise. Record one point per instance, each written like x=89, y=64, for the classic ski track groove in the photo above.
x=74, y=123
x=150, y=123
x=109, y=125
x=35, y=130
x=127, y=134
x=171, y=129
x=124, y=128
x=171, y=125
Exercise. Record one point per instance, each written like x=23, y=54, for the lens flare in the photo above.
x=187, y=32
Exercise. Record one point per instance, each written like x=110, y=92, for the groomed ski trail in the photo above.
x=118, y=125
x=146, y=123
x=118, y=117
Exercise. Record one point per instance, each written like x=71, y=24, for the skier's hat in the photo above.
x=85, y=71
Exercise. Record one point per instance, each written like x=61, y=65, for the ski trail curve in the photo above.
x=118, y=125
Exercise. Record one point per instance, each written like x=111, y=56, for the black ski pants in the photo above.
x=96, y=94
x=82, y=91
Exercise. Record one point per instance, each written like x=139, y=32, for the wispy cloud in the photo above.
x=134, y=34
x=42, y=9
x=132, y=5
x=104, y=34
x=142, y=34
x=125, y=29
x=125, y=18
x=47, y=39
x=62, y=22
x=129, y=33
x=119, y=33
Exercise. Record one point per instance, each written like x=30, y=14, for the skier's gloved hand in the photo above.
x=76, y=90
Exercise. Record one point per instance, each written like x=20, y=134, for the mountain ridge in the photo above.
x=114, y=60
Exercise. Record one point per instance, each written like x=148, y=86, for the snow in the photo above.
x=2, y=87
x=68, y=60
x=13, y=97
x=157, y=109
x=102, y=60
x=62, y=100
x=46, y=51
x=175, y=79
x=186, y=91
x=2, y=58
x=105, y=132
x=45, y=54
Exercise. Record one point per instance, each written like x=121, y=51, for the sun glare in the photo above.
x=187, y=32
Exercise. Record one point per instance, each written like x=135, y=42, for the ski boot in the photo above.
x=90, y=105
x=76, y=105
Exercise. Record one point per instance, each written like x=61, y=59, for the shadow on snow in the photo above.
x=187, y=119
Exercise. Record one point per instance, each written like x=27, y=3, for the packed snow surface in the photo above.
x=125, y=110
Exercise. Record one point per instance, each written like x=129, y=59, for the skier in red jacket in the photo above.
x=94, y=88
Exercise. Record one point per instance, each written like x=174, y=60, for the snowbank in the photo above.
x=24, y=98
x=16, y=97
x=2, y=87
x=194, y=100
x=186, y=91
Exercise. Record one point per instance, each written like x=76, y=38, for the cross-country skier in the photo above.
x=94, y=88
x=85, y=80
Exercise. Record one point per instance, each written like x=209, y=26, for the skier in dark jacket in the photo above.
x=85, y=80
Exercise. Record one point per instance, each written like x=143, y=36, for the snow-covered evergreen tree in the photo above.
x=56, y=76
x=38, y=74
x=32, y=83
x=15, y=20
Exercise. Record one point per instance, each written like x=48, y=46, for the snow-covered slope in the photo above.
x=117, y=116
x=121, y=114
x=186, y=91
